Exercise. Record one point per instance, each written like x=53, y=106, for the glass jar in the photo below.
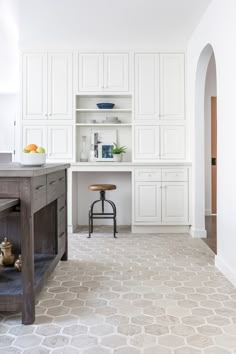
x=84, y=154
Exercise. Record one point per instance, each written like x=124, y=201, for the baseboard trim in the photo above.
x=208, y=212
x=225, y=269
x=198, y=233
x=160, y=229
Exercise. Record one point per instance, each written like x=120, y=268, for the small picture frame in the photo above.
x=105, y=152
x=102, y=143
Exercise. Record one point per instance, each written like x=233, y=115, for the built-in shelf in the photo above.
x=103, y=110
x=104, y=124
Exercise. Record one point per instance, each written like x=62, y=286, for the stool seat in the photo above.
x=102, y=187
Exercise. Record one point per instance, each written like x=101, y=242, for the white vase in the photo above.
x=117, y=157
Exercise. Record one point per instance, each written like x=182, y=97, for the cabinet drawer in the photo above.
x=39, y=189
x=177, y=174
x=55, y=185
x=148, y=175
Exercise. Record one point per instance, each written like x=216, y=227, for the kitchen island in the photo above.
x=37, y=228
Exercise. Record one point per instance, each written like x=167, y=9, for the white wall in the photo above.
x=218, y=27
x=121, y=196
x=210, y=90
x=109, y=24
x=9, y=50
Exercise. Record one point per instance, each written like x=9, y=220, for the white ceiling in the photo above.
x=138, y=24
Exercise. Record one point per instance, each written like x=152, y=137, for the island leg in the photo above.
x=65, y=255
x=27, y=252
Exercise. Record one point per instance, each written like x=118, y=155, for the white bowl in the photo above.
x=37, y=159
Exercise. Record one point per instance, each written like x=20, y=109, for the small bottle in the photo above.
x=83, y=154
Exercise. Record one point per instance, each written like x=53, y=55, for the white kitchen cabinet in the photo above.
x=47, y=86
x=60, y=142
x=148, y=202
x=175, y=202
x=103, y=72
x=158, y=198
x=146, y=87
x=90, y=72
x=57, y=140
x=59, y=86
x=34, y=134
x=116, y=72
x=34, y=86
x=172, y=139
x=172, y=86
x=146, y=145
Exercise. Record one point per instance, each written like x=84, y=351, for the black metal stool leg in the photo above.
x=89, y=235
x=102, y=215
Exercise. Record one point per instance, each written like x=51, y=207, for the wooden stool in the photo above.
x=102, y=188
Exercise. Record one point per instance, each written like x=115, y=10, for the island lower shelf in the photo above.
x=11, y=289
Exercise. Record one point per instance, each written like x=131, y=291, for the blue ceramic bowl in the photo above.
x=105, y=105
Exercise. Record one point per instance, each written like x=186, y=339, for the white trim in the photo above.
x=225, y=269
x=208, y=212
x=163, y=229
x=198, y=233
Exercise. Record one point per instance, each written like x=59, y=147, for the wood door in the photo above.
x=91, y=72
x=172, y=139
x=59, y=86
x=172, y=86
x=148, y=202
x=214, y=154
x=146, y=87
x=175, y=202
x=116, y=72
x=34, y=78
x=146, y=146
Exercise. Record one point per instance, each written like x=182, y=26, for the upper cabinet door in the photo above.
x=33, y=134
x=60, y=142
x=116, y=76
x=59, y=86
x=146, y=143
x=146, y=87
x=172, y=142
x=172, y=86
x=90, y=72
x=34, y=78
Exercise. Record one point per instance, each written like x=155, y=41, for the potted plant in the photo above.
x=117, y=152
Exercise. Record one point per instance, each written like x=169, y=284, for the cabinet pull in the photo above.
x=61, y=234
x=53, y=182
x=40, y=187
x=61, y=208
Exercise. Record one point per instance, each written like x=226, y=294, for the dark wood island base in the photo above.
x=37, y=227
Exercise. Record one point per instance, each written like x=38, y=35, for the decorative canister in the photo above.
x=18, y=263
x=6, y=257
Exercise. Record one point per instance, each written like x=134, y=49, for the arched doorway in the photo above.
x=210, y=133
x=199, y=146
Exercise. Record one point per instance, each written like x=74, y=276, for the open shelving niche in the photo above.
x=86, y=112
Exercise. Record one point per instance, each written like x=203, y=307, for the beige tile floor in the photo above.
x=149, y=294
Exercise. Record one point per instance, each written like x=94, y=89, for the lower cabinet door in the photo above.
x=60, y=142
x=148, y=202
x=175, y=202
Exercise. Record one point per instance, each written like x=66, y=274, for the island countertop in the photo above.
x=18, y=170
